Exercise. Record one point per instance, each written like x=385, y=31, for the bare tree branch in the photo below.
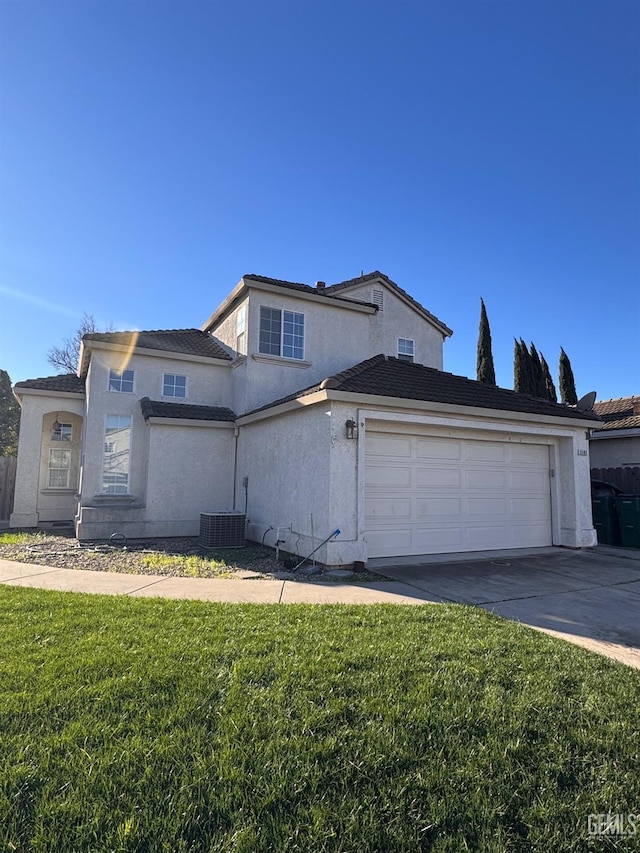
x=65, y=358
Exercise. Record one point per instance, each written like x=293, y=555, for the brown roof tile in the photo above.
x=304, y=288
x=189, y=341
x=616, y=409
x=161, y=409
x=391, y=377
x=66, y=382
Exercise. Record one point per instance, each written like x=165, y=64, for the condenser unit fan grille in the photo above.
x=222, y=529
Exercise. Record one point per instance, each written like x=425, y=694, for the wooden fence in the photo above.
x=627, y=479
x=7, y=485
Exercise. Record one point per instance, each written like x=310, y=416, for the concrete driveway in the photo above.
x=589, y=597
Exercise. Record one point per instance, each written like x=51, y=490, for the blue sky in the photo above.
x=151, y=153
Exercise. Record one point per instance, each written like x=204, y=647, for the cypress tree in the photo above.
x=9, y=417
x=527, y=370
x=485, y=371
x=537, y=378
x=567, y=382
x=548, y=381
x=519, y=368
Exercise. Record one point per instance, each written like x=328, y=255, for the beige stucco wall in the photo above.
x=287, y=462
x=336, y=338
x=615, y=452
x=190, y=471
x=207, y=384
x=398, y=320
x=34, y=503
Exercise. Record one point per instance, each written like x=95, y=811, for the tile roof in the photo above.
x=68, y=383
x=161, y=409
x=363, y=279
x=621, y=413
x=387, y=376
x=189, y=341
x=304, y=288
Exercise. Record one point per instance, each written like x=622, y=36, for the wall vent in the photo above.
x=222, y=529
x=378, y=299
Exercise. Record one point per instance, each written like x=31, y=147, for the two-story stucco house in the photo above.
x=309, y=409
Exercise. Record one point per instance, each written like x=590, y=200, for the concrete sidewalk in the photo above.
x=212, y=589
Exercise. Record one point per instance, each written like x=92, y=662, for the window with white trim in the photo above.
x=121, y=380
x=59, y=467
x=405, y=349
x=241, y=331
x=174, y=385
x=117, y=452
x=61, y=432
x=281, y=333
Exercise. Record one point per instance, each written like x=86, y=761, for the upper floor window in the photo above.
x=281, y=333
x=241, y=331
x=121, y=380
x=174, y=385
x=405, y=349
x=61, y=432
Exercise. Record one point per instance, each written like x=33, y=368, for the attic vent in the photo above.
x=222, y=529
x=378, y=299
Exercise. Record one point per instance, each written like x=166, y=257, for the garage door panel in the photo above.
x=439, y=495
x=390, y=507
x=532, y=454
x=389, y=445
x=487, y=507
x=528, y=481
x=535, y=510
x=484, y=537
x=438, y=508
x=485, y=451
x=438, y=478
x=486, y=480
x=388, y=476
x=435, y=449
x=389, y=542
x=438, y=540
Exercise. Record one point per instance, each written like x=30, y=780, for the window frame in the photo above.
x=403, y=354
x=58, y=451
x=295, y=318
x=108, y=488
x=63, y=434
x=118, y=377
x=175, y=376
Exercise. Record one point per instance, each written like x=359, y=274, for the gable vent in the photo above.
x=378, y=299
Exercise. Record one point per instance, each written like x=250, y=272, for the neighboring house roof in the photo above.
x=621, y=413
x=189, y=341
x=372, y=276
x=68, y=383
x=387, y=376
x=157, y=409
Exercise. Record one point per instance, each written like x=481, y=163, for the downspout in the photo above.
x=236, y=432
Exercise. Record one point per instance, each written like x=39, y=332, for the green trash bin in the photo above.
x=628, y=509
x=605, y=520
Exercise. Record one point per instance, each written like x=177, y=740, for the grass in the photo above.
x=134, y=725
x=17, y=538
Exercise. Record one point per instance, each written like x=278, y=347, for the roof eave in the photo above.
x=403, y=403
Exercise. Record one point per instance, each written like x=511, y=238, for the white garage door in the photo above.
x=429, y=495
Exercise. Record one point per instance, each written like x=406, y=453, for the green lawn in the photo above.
x=134, y=725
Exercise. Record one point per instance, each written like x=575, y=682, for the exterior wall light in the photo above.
x=352, y=428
